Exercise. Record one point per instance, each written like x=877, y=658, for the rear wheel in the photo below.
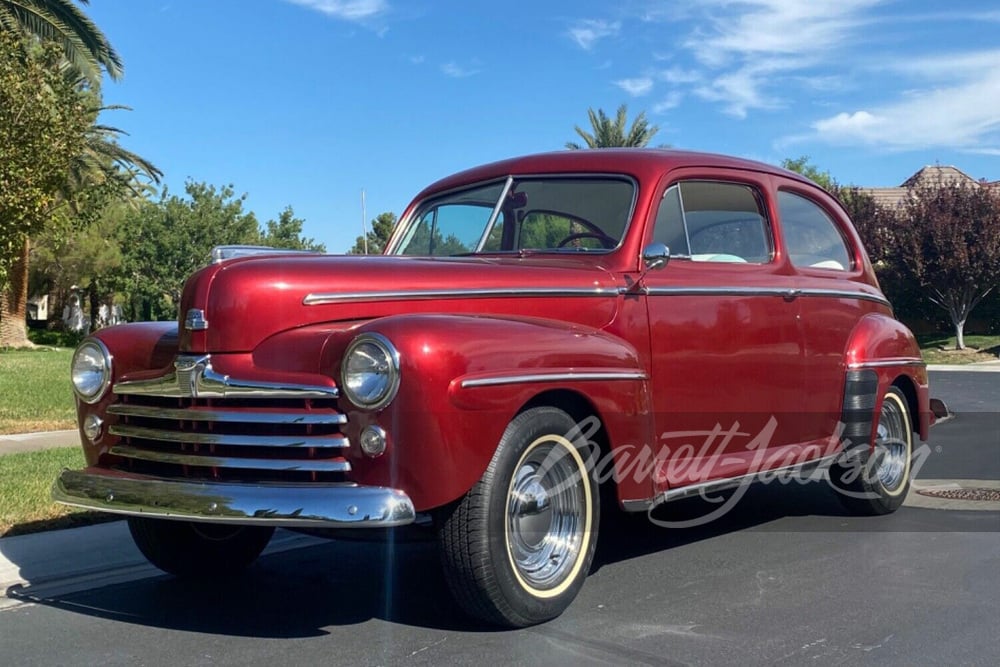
x=877, y=480
x=190, y=549
x=517, y=548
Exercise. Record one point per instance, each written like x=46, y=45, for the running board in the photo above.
x=715, y=485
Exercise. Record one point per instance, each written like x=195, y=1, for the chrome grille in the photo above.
x=250, y=440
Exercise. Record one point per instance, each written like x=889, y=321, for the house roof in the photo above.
x=930, y=176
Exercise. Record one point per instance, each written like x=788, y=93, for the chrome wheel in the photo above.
x=547, y=509
x=892, y=444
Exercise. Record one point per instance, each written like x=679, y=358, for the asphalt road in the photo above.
x=786, y=578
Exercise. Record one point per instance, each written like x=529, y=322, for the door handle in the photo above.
x=791, y=294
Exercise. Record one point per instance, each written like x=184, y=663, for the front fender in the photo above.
x=463, y=378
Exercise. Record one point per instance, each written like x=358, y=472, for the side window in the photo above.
x=811, y=236
x=710, y=221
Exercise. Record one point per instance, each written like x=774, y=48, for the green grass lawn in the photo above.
x=35, y=390
x=25, y=486
x=940, y=349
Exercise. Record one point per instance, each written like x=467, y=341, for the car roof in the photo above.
x=642, y=163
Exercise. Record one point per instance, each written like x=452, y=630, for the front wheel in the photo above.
x=518, y=546
x=877, y=480
x=190, y=549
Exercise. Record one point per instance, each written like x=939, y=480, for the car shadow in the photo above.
x=396, y=576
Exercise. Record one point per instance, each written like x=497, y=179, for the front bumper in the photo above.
x=289, y=505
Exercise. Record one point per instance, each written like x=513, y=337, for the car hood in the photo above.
x=245, y=301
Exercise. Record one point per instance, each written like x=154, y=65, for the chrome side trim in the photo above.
x=318, y=505
x=194, y=377
x=553, y=377
x=195, y=414
x=783, y=292
x=324, y=298
x=143, y=433
x=645, y=504
x=211, y=461
x=882, y=363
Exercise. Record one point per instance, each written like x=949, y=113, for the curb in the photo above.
x=981, y=367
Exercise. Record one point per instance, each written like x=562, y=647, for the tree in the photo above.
x=43, y=121
x=608, y=133
x=949, y=243
x=60, y=22
x=378, y=237
x=54, y=36
x=801, y=165
x=164, y=242
x=286, y=232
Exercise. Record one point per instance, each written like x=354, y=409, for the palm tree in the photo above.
x=608, y=133
x=85, y=50
x=85, y=47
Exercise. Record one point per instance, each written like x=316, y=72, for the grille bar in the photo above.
x=201, y=414
x=186, y=437
x=241, y=463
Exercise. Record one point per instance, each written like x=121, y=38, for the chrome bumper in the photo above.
x=290, y=505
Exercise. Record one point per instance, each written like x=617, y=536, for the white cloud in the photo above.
x=963, y=116
x=669, y=102
x=749, y=48
x=456, y=71
x=587, y=32
x=679, y=75
x=636, y=87
x=347, y=10
x=417, y=60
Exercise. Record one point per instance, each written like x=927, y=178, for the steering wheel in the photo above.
x=606, y=241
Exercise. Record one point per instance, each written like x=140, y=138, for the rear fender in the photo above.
x=885, y=346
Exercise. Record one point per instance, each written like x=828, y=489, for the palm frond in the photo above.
x=84, y=45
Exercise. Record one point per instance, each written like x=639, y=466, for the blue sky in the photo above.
x=307, y=102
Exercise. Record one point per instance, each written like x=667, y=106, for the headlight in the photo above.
x=370, y=371
x=91, y=370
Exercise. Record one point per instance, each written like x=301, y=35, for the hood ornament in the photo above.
x=195, y=320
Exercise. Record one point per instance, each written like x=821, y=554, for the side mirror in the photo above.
x=655, y=256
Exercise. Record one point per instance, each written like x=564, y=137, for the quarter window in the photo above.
x=710, y=221
x=811, y=236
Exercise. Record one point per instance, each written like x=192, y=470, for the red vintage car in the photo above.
x=543, y=337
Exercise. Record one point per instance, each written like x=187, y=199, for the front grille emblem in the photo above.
x=189, y=372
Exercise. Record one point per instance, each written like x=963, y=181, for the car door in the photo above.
x=827, y=259
x=726, y=343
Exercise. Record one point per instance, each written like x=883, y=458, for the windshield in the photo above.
x=519, y=215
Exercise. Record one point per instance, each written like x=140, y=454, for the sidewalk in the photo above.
x=32, y=442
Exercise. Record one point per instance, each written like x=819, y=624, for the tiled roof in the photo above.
x=929, y=176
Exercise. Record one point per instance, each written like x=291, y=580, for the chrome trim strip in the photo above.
x=882, y=363
x=194, y=377
x=645, y=504
x=784, y=292
x=324, y=298
x=192, y=438
x=195, y=414
x=211, y=461
x=553, y=377
x=320, y=505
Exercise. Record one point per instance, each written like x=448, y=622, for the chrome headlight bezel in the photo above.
x=383, y=366
x=99, y=369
